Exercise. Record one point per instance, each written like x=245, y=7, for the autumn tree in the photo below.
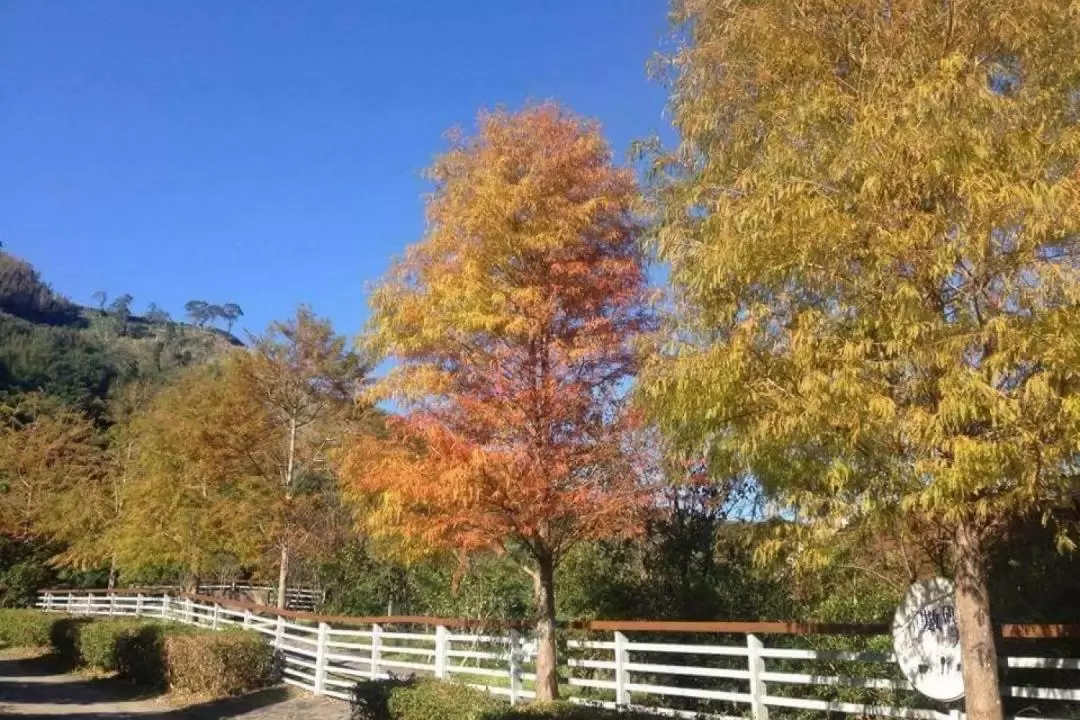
x=306, y=378
x=189, y=496
x=510, y=325
x=45, y=448
x=85, y=513
x=872, y=222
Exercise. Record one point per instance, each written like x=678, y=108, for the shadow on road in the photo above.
x=37, y=688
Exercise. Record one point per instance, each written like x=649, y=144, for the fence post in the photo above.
x=758, y=709
x=217, y=615
x=48, y=602
x=442, y=646
x=189, y=609
x=622, y=675
x=320, y=658
x=376, y=649
x=279, y=632
x=165, y=606
x=247, y=618
x=515, y=667
x=89, y=603
x=112, y=604
x=138, y=604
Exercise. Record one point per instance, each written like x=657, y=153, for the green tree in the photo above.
x=873, y=227
x=198, y=311
x=120, y=310
x=156, y=315
x=230, y=313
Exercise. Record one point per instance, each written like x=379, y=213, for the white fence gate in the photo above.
x=830, y=669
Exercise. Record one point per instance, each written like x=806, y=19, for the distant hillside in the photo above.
x=49, y=344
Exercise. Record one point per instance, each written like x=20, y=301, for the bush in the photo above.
x=430, y=698
x=64, y=638
x=26, y=628
x=411, y=699
x=569, y=711
x=99, y=642
x=371, y=698
x=218, y=663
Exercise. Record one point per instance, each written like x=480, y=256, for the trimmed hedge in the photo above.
x=429, y=698
x=218, y=663
x=149, y=652
x=27, y=628
x=422, y=699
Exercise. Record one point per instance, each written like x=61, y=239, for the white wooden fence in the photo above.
x=606, y=663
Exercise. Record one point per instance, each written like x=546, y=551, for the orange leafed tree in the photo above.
x=511, y=325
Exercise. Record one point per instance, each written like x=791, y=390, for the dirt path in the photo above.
x=32, y=688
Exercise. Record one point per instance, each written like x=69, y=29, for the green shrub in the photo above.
x=568, y=711
x=26, y=628
x=420, y=699
x=140, y=653
x=64, y=638
x=218, y=663
x=99, y=642
x=430, y=698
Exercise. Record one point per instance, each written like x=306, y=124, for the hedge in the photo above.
x=412, y=699
x=149, y=652
x=229, y=662
x=27, y=628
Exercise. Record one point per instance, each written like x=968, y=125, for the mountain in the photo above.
x=78, y=354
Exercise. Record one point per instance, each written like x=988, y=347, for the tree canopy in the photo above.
x=872, y=222
x=512, y=325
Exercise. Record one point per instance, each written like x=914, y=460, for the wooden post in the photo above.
x=376, y=649
x=622, y=675
x=320, y=658
x=758, y=709
x=279, y=632
x=138, y=604
x=217, y=615
x=442, y=646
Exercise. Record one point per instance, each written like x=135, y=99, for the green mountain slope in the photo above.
x=78, y=354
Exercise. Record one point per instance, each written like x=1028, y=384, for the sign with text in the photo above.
x=926, y=639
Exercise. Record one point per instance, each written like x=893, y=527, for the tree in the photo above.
x=188, y=494
x=511, y=324
x=100, y=297
x=306, y=377
x=198, y=311
x=120, y=310
x=156, y=315
x=44, y=449
x=873, y=223
x=231, y=312
x=86, y=513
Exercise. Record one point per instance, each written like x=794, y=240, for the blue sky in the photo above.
x=270, y=153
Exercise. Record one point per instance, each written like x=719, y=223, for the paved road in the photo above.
x=32, y=688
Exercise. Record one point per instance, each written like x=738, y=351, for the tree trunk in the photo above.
x=547, y=677
x=283, y=566
x=982, y=694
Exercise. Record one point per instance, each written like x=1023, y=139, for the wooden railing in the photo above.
x=727, y=670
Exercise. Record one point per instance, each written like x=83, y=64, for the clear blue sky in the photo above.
x=269, y=152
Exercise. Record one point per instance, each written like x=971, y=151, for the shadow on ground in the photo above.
x=37, y=688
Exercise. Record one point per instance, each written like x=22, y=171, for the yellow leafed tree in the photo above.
x=873, y=226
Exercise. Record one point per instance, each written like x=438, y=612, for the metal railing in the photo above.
x=731, y=672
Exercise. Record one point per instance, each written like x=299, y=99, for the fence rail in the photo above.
x=728, y=672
